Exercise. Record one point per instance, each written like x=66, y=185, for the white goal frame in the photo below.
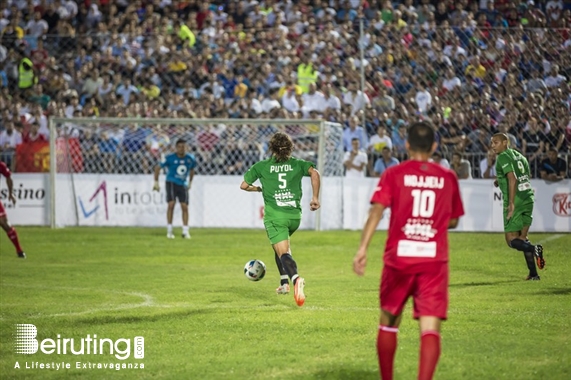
x=53, y=122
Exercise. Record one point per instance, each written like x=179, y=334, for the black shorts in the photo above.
x=175, y=192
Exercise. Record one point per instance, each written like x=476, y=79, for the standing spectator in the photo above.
x=33, y=135
x=354, y=130
x=312, y=100
x=355, y=161
x=488, y=165
x=384, y=162
x=306, y=73
x=461, y=166
x=553, y=168
x=125, y=90
x=37, y=27
x=438, y=159
x=9, y=139
x=423, y=98
x=380, y=141
x=533, y=144
x=355, y=98
x=554, y=79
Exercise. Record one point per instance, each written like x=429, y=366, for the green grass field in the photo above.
x=201, y=318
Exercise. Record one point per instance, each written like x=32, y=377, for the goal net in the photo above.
x=101, y=174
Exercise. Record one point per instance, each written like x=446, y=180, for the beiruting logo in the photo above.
x=88, y=211
x=27, y=344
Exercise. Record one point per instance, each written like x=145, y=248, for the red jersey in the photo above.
x=423, y=197
x=4, y=170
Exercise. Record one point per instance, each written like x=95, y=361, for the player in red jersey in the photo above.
x=10, y=231
x=425, y=202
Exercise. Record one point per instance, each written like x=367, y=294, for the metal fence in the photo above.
x=469, y=81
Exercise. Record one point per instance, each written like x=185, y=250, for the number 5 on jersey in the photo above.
x=282, y=180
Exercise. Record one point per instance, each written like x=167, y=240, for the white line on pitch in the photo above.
x=550, y=238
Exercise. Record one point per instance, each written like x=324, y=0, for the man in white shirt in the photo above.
x=312, y=100
x=329, y=101
x=271, y=103
x=355, y=98
x=37, y=27
x=379, y=141
x=125, y=90
x=439, y=160
x=9, y=139
x=423, y=98
x=488, y=165
x=289, y=101
x=355, y=161
x=554, y=79
x=451, y=81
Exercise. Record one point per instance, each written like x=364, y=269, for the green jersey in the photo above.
x=281, y=186
x=511, y=160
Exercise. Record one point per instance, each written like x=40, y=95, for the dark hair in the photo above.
x=180, y=141
x=501, y=137
x=457, y=154
x=281, y=146
x=421, y=137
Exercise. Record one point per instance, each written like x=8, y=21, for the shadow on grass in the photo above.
x=126, y=319
x=346, y=374
x=554, y=292
x=482, y=283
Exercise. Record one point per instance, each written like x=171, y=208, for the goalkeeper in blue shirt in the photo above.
x=180, y=172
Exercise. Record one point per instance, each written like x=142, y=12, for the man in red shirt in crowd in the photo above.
x=425, y=202
x=10, y=231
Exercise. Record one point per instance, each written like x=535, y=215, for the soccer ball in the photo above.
x=254, y=270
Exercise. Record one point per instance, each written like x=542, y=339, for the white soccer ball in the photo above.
x=254, y=270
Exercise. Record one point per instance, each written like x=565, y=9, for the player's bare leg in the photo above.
x=284, y=279
x=12, y=235
x=170, y=212
x=429, y=346
x=517, y=240
x=283, y=250
x=387, y=343
x=185, y=233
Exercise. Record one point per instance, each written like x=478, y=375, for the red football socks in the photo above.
x=429, y=354
x=13, y=236
x=386, y=348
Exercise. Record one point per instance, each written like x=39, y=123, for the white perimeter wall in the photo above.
x=217, y=201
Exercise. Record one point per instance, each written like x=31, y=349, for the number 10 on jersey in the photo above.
x=423, y=203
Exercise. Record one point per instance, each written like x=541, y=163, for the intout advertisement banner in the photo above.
x=217, y=201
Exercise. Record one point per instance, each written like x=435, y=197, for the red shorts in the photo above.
x=428, y=289
x=2, y=210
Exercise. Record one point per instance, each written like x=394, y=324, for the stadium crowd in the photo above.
x=471, y=67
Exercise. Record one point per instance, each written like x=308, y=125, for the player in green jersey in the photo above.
x=280, y=176
x=513, y=177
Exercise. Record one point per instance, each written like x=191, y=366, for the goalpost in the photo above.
x=101, y=172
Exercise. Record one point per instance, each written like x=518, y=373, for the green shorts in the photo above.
x=521, y=218
x=281, y=229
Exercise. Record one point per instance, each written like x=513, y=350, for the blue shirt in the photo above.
x=381, y=165
x=359, y=133
x=178, y=168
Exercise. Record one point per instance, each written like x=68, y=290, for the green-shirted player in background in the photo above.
x=280, y=176
x=513, y=179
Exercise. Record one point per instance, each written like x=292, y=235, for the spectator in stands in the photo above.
x=553, y=168
x=356, y=99
x=461, y=166
x=438, y=159
x=10, y=138
x=384, y=162
x=379, y=141
x=355, y=160
x=354, y=130
x=488, y=166
x=33, y=134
